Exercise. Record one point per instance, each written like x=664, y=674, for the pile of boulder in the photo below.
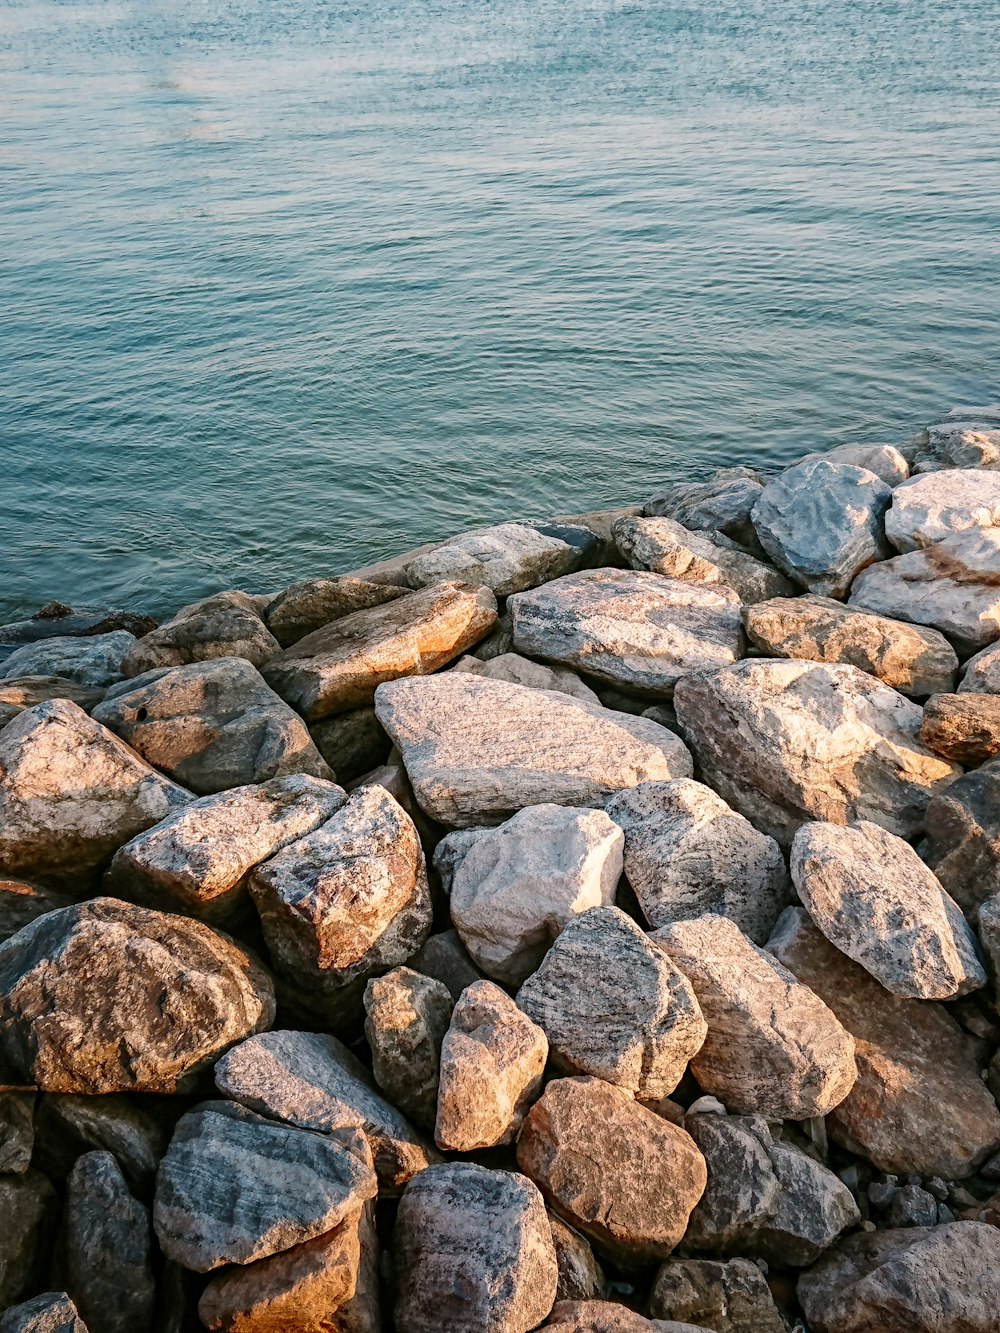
x=590, y=925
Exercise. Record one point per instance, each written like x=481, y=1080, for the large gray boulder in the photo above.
x=722, y=503
x=225, y=625
x=507, y=558
x=478, y=750
x=308, y=605
x=668, y=548
x=94, y=661
x=937, y=504
x=884, y=460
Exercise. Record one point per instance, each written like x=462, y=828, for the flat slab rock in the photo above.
x=629, y=628
x=919, y=1104
x=478, y=750
x=876, y=901
x=507, y=558
x=20, y=692
x=94, y=661
x=109, y=997
x=773, y=1047
x=784, y=742
x=520, y=670
x=308, y=605
x=937, y=504
x=225, y=625
x=473, y=1250
x=963, y=727
x=666, y=547
x=911, y=659
x=338, y=667
x=722, y=503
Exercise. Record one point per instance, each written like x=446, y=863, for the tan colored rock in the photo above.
x=963, y=837
x=197, y=860
x=407, y=1016
x=773, y=1047
x=520, y=670
x=71, y=793
x=963, y=727
x=913, y=660
x=20, y=692
x=612, y=1004
x=723, y=503
x=938, y=504
x=338, y=667
x=668, y=548
x=473, y=1250
x=478, y=750
x=968, y=438
x=94, y=661
x=981, y=674
x=610, y=1317
x=616, y=1171
x=629, y=627
x=783, y=742
x=507, y=558
x=309, y=605
x=919, y=1104
x=226, y=625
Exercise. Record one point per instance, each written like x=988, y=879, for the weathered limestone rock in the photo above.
x=445, y=958
x=507, y=558
x=226, y=625
x=21, y=903
x=337, y=667
x=29, y=1211
x=491, y=1071
x=919, y=1105
x=963, y=727
x=312, y=603
x=234, y=1187
x=616, y=1171
x=873, y=897
x=518, y=670
x=348, y=900
x=581, y=1277
x=723, y=503
x=52, y=1312
x=612, y=1004
x=884, y=460
x=197, y=860
x=473, y=1250
x=953, y=586
x=313, y=1081
x=629, y=627
x=913, y=660
x=982, y=672
x=513, y=888
x=351, y=743
x=212, y=726
x=963, y=837
x=938, y=504
x=968, y=438
x=70, y=794
x=108, y=997
x=783, y=742
x=407, y=1017
x=666, y=547
x=822, y=522
x=773, y=1047
x=17, y=1131
x=135, y=1130
x=943, y=1279
x=95, y=661
x=105, y=1248
x=478, y=750
x=687, y=853
x=729, y=1297
x=609, y=1317
x=20, y=692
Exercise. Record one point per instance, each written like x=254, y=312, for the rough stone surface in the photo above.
x=313, y=603
x=197, y=860
x=29, y=1211
x=629, y=627
x=612, y=1004
x=982, y=672
x=913, y=660
x=784, y=742
x=226, y=625
x=478, y=750
x=109, y=997
x=234, y=1187
x=609, y=1317
x=71, y=794
x=969, y=437
x=884, y=460
x=491, y=1071
x=20, y=692
x=937, y=504
x=211, y=726
x=507, y=558
x=773, y=1047
x=338, y=667
x=919, y=1104
x=873, y=897
x=518, y=670
x=313, y=1081
x=473, y=1250
x=93, y=661
x=666, y=547
x=135, y=1130
x=581, y=1277
x=963, y=837
x=17, y=1131
x=351, y=743
x=407, y=1017
x=445, y=958
x=58, y=620
x=963, y=727
x=953, y=586
x=728, y=1297
x=943, y=1279
x=616, y=1171
x=513, y=889
x=21, y=903
x=52, y=1312
x=688, y=853
x=723, y=503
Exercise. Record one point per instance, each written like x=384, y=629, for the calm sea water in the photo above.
x=289, y=285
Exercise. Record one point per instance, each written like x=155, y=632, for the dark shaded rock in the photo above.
x=135, y=1129
x=313, y=603
x=351, y=743
x=728, y=1297
x=407, y=1016
x=95, y=661
x=28, y=1214
x=57, y=620
x=17, y=1131
x=609, y=1317
x=52, y=1312
x=226, y=625
x=963, y=837
x=445, y=958
x=581, y=1277
x=21, y=903
x=20, y=692
x=722, y=503
x=963, y=727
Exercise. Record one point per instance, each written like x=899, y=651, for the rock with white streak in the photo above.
x=612, y=1004
x=773, y=1047
x=339, y=666
x=513, y=888
x=492, y=1060
x=873, y=897
x=723, y=503
x=822, y=522
x=784, y=742
x=665, y=547
x=312, y=603
x=688, y=853
x=982, y=672
x=507, y=558
x=884, y=460
x=52, y=1312
x=226, y=625
x=938, y=504
x=478, y=750
x=963, y=727
x=520, y=670
x=629, y=628
x=92, y=661
x=407, y=1016
x=963, y=837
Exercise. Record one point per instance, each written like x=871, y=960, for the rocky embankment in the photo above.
x=589, y=925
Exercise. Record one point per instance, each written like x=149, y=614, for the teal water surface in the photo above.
x=289, y=285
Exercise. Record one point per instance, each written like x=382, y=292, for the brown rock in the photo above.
x=313, y=603
x=963, y=727
x=609, y=1317
x=20, y=692
x=963, y=837
x=407, y=1017
x=226, y=625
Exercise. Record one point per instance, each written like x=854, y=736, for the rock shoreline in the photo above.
x=589, y=925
